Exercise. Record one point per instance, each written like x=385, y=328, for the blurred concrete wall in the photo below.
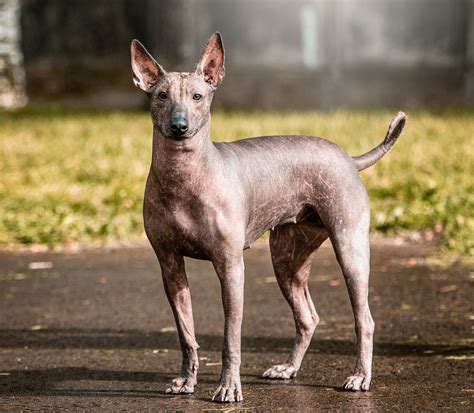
x=78, y=50
x=469, y=84
x=280, y=53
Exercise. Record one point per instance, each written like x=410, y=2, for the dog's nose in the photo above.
x=179, y=124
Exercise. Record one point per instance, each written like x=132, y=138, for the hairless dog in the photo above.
x=211, y=200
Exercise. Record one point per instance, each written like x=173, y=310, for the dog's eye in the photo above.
x=197, y=96
x=162, y=95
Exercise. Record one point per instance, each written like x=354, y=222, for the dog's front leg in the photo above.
x=179, y=296
x=231, y=276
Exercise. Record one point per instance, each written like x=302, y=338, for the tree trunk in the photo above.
x=12, y=74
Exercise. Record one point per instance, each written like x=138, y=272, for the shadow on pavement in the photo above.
x=45, y=382
x=135, y=339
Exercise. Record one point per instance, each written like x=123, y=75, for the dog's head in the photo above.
x=180, y=101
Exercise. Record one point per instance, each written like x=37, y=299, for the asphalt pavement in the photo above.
x=92, y=330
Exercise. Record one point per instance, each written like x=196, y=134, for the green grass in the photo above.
x=79, y=176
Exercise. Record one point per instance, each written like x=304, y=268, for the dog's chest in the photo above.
x=191, y=224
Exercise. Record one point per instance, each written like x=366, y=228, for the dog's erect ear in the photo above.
x=146, y=71
x=211, y=65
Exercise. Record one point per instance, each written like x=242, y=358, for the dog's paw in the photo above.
x=281, y=371
x=229, y=391
x=357, y=382
x=181, y=385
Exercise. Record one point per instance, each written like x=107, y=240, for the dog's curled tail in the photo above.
x=394, y=130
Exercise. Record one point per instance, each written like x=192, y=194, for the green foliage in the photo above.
x=79, y=176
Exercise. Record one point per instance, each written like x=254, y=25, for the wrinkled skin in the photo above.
x=211, y=201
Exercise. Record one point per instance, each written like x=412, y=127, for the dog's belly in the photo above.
x=263, y=221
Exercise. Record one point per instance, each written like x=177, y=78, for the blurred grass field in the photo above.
x=70, y=176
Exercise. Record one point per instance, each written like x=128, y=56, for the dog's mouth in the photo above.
x=179, y=136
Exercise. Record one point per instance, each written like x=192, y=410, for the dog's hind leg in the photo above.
x=293, y=247
x=353, y=253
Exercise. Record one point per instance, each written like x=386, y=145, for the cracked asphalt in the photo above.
x=93, y=331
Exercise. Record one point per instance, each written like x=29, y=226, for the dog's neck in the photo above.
x=182, y=162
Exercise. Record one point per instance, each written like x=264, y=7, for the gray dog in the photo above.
x=211, y=201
